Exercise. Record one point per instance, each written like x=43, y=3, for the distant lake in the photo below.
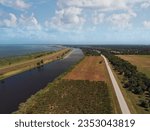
x=16, y=50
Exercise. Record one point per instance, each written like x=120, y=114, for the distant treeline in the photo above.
x=120, y=49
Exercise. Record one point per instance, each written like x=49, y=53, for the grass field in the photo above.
x=70, y=97
x=91, y=68
x=141, y=61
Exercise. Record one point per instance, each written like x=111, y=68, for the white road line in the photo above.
x=121, y=100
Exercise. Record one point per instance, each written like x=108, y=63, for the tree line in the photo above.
x=133, y=80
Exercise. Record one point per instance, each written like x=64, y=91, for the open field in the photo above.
x=141, y=61
x=28, y=64
x=88, y=95
x=70, y=97
x=91, y=68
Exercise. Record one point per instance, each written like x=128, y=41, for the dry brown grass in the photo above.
x=141, y=61
x=91, y=68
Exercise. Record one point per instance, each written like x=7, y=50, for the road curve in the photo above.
x=123, y=105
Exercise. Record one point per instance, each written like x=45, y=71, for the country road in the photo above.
x=120, y=97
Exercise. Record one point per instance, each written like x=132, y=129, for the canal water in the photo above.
x=17, y=89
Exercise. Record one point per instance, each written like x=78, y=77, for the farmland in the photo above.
x=141, y=61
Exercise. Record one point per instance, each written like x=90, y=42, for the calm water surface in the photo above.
x=16, y=50
x=18, y=88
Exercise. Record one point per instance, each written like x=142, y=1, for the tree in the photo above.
x=42, y=61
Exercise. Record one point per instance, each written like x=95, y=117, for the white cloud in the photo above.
x=23, y=22
x=146, y=24
x=29, y=22
x=92, y=3
x=121, y=20
x=145, y=4
x=99, y=12
x=67, y=18
x=19, y=4
x=98, y=18
x=9, y=22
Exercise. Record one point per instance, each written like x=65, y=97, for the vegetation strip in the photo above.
x=29, y=64
x=132, y=80
x=141, y=61
x=70, y=97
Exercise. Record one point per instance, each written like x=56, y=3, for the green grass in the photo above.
x=16, y=59
x=69, y=97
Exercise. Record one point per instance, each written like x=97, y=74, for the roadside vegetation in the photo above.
x=141, y=61
x=132, y=80
x=135, y=85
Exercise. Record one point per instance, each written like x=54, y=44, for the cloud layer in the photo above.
x=18, y=4
x=74, y=18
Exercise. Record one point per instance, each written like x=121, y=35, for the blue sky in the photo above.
x=74, y=21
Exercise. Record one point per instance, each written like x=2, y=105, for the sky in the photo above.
x=75, y=22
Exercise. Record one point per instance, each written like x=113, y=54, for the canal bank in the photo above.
x=17, y=89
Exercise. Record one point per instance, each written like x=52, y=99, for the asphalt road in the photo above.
x=120, y=97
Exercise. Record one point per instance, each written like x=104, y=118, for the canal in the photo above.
x=18, y=88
